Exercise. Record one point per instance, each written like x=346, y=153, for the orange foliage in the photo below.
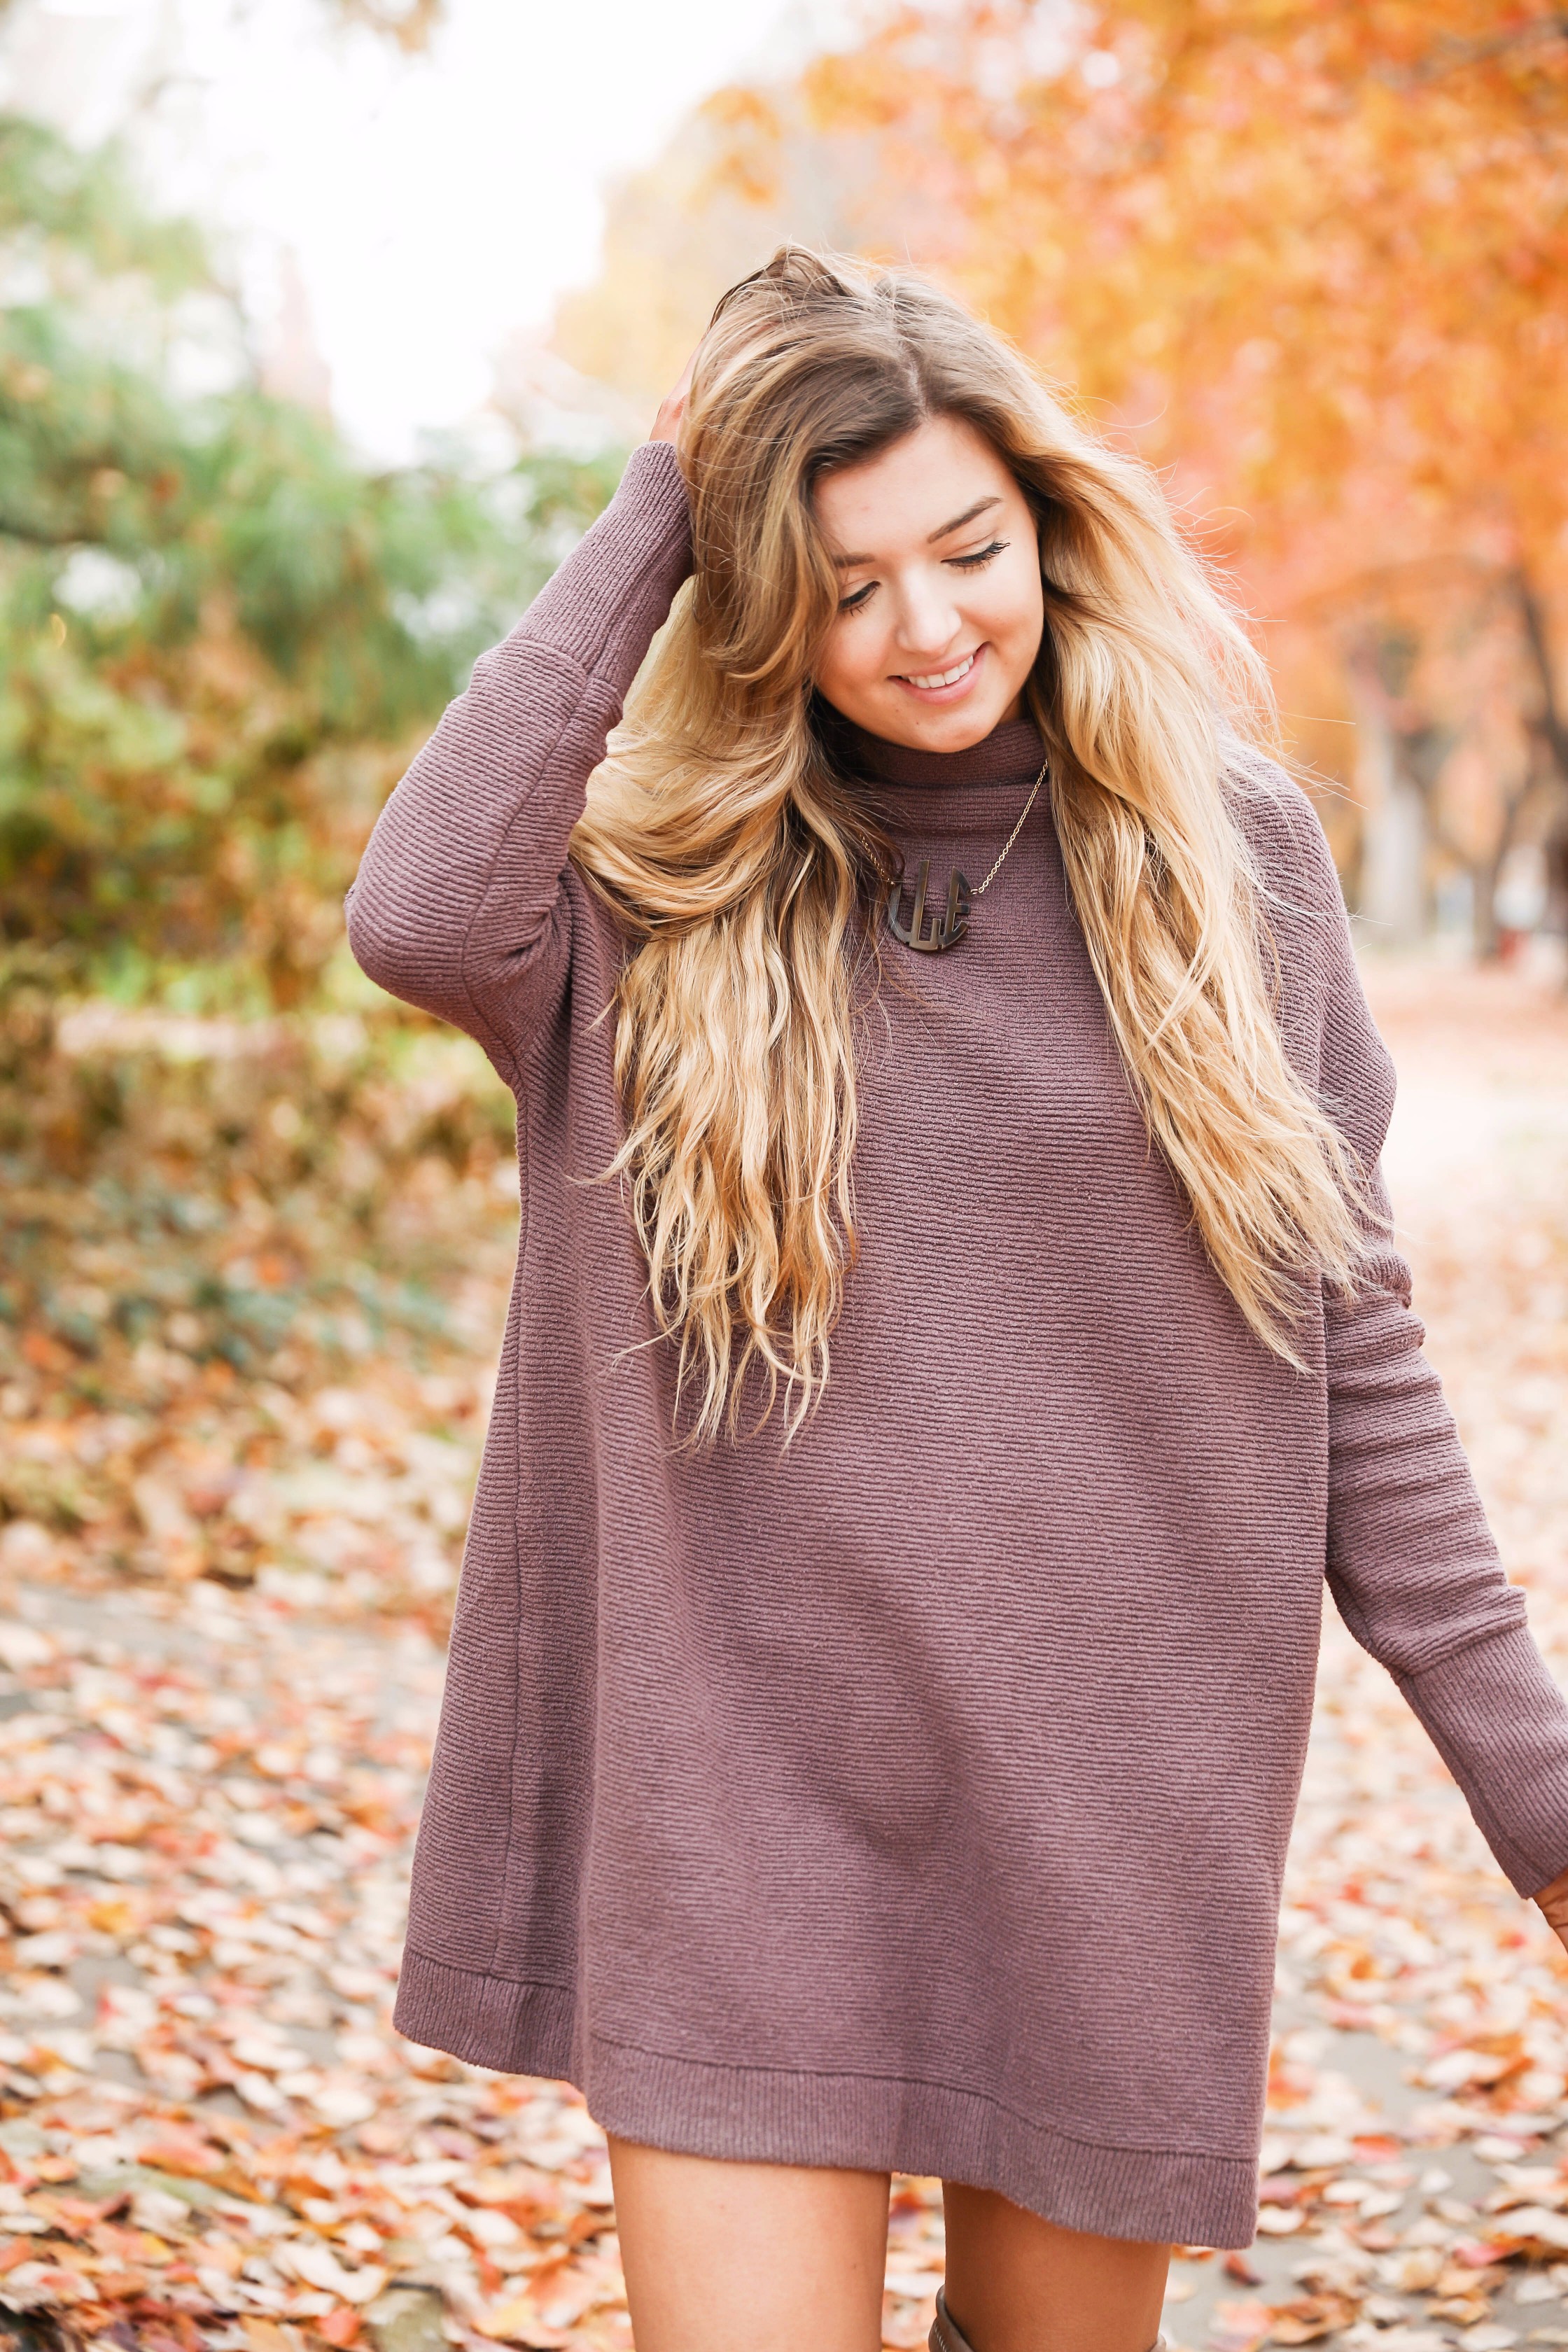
x=1311, y=255
x=1295, y=244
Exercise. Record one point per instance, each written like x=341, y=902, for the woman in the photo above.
x=955, y=1329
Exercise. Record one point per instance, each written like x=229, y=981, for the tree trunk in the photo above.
x=1486, y=875
x=1549, y=726
x=1393, y=897
x=1485, y=935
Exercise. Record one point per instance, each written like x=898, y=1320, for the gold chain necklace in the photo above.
x=944, y=930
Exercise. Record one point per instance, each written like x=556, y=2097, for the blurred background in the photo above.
x=325, y=329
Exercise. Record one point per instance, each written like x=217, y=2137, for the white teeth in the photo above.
x=948, y=676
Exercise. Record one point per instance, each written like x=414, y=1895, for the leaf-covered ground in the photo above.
x=222, y=1661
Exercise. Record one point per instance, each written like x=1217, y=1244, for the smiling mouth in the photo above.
x=929, y=682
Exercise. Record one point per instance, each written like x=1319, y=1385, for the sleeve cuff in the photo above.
x=1500, y=1722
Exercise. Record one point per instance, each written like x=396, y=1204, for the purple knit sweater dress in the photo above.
x=917, y=1797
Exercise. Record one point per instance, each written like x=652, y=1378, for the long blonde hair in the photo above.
x=745, y=867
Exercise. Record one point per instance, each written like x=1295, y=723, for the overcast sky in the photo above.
x=435, y=205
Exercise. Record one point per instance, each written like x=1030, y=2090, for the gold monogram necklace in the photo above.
x=944, y=930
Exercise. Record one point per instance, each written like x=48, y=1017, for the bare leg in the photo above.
x=1016, y=2284
x=750, y=2257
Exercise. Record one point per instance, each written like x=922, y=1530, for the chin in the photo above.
x=955, y=729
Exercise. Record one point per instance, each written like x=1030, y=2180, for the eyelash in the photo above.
x=975, y=563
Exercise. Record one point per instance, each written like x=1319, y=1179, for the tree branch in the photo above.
x=34, y=534
x=1550, y=722
x=1452, y=56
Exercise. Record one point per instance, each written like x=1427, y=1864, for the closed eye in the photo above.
x=973, y=563
x=982, y=555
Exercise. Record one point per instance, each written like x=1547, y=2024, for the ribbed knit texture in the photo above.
x=917, y=1797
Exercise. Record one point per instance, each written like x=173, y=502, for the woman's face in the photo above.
x=941, y=604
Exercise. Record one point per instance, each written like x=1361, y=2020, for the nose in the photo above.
x=926, y=619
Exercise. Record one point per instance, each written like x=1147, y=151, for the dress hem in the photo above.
x=787, y=2116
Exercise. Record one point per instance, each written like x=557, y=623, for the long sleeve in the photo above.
x=1411, y=1561
x=458, y=906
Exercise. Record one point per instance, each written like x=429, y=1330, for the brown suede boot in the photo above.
x=945, y=2337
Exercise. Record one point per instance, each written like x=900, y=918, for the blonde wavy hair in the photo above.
x=747, y=869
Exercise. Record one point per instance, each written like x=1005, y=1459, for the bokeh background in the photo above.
x=325, y=329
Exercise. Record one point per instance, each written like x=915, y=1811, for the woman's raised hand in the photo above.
x=671, y=417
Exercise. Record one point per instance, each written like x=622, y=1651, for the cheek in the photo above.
x=1016, y=610
x=849, y=656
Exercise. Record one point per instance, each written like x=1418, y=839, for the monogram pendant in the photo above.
x=935, y=936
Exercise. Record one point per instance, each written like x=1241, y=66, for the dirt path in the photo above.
x=211, y=2137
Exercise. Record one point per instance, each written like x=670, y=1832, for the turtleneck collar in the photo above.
x=1010, y=754
x=926, y=797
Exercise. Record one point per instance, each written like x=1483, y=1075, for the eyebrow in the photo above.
x=981, y=506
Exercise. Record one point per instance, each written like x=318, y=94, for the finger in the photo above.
x=671, y=415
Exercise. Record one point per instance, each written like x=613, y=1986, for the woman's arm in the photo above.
x=1411, y=1561
x=1415, y=1574
x=459, y=905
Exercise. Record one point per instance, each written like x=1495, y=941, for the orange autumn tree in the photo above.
x=1312, y=256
